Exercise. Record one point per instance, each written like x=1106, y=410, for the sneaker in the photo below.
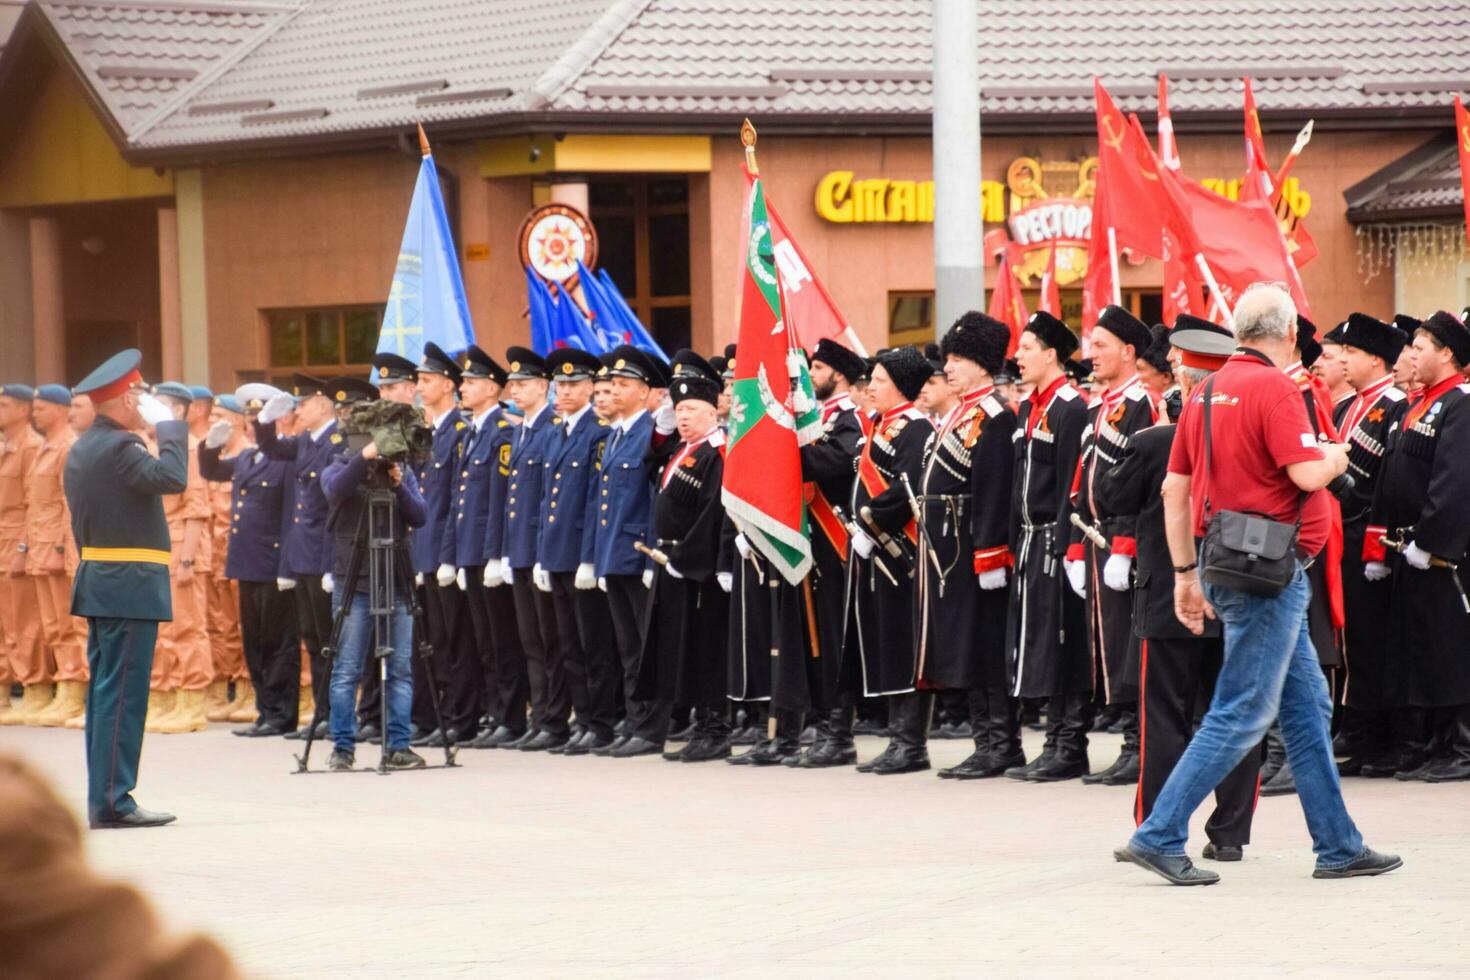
x=341, y=761
x=405, y=759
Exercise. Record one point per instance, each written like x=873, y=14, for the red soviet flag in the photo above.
x=1006, y=304
x=1129, y=197
x=1097, y=285
x=1255, y=143
x=1184, y=291
x=1051, y=296
x=1462, y=140
x=1168, y=147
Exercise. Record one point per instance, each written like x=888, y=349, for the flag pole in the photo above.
x=1113, y=266
x=747, y=138
x=423, y=140
x=1302, y=139
x=1214, y=287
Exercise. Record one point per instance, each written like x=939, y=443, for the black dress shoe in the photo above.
x=437, y=739
x=621, y=728
x=956, y=729
x=706, y=748
x=1060, y=767
x=823, y=755
x=299, y=735
x=500, y=738
x=883, y=756
x=1222, y=852
x=809, y=735
x=521, y=739
x=427, y=738
x=771, y=753
x=982, y=764
x=586, y=744
x=1452, y=770
x=611, y=747
x=138, y=818
x=368, y=732
x=683, y=734
x=1100, y=777
x=749, y=735
x=1023, y=773
x=1124, y=772
x=908, y=758
x=543, y=742
x=636, y=746
x=261, y=730
x=404, y=759
x=1175, y=870
x=863, y=727
x=1281, y=784
x=341, y=761
x=1365, y=865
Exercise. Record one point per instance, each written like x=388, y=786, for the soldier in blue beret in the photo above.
x=113, y=485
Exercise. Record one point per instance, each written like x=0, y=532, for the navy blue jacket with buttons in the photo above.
x=523, y=501
x=566, y=538
x=305, y=550
x=257, y=506
x=433, y=544
x=480, y=500
x=624, y=501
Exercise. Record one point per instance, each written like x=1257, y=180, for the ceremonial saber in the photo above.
x=918, y=513
x=1394, y=544
x=852, y=530
x=1089, y=532
x=654, y=553
x=1302, y=139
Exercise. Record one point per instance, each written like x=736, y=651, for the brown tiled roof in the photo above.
x=1422, y=185
x=261, y=73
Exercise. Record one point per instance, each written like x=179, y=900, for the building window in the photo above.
x=643, y=243
x=319, y=342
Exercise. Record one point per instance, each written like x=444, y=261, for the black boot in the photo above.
x=833, y=745
x=1055, y=711
x=979, y=763
x=1275, y=753
x=774, y=751
x=912, y=754
x=1070, y=759
x=1455, y=766
x=1124, y=770
x=1281, y=784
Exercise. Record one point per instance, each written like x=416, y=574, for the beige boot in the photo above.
x=244, y=703
x=160, y=703
x=70, y=702
x=32, y=702
x=188, y=716
x=79, y=723
x=217, y=703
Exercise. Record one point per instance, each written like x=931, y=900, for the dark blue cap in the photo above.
x=525, y=363
x=628, y=361
x=23, y=393
x=475, y=363
x=390, y=368
x=572, y=364
x=55, y=394
x=435, y=361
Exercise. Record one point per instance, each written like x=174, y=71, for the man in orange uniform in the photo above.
x=222, y=616
x=181, y=665
x=19, y=621
x=52, y=556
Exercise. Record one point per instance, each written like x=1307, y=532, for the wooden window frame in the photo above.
x=277, y=373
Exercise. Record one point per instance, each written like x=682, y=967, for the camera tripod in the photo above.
x=376, y=542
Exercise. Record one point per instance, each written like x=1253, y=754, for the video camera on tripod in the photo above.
x=398, y=430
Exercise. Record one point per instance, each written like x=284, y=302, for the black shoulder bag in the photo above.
x=1245, y=550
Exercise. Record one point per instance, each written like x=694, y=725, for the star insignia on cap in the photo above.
x=515, y=365
x=566, y=368
x=466, y=363
x=382, y=372
x=620, y=364
x=341, y=396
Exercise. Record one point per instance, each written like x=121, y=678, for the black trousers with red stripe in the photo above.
x=1177, y=677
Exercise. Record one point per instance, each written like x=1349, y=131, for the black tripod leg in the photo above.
x=426, y=651
x=354, y=569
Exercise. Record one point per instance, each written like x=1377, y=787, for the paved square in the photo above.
x=537, y=866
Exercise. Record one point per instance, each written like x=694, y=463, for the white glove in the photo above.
x=726, y=580
x=444, y=575
x=663, y=417
x=1416, y=556
x=993, y=579
x=493, y=575
x=218, y=435
x=462, y=580
x=586, y=577
x=1115, y=572
x=285, y=584
x=673, y=572
x=742, y=545
x=602, y=583
x=328, y=583
x=279, y=406
x=1375, y=571
x=541, y=578
x=863, y=545
x=153, y=410
x=1077, y=576
x=648, y=578
x=418, y=578
x=507, y=574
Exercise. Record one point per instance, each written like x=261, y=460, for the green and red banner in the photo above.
x=773, y=411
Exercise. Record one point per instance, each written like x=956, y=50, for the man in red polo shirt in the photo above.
x=1264, y=458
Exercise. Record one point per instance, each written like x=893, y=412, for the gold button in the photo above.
x=554, y=490
x=243, y=491
x=295, y=520
x=512, y=514
x=461, y=486
x=312, y=474
x=512, y=500
x=234, y=530
x=464, y=472
x=275, y=544
x=558, y=476
x=604, y=491
x=553, y=505
x=604, y=506
x=551, y=520
x=604, y=522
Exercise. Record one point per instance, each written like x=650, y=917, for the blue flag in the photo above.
x=612, y=316
x=556, y=321
x=426, y=301
x=540, y=303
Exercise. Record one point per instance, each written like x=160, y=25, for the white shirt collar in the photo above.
x=439, y=422
x=532, y=419
x=317, y=433
x=571, y=421
x=627, y=423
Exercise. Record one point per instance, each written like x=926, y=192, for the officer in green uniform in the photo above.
x=113, y=487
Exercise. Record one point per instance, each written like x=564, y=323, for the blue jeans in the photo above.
x=353, y=651
x=1270, y=669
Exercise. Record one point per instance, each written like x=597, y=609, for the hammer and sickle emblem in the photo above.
x=1115, y=140
x=1465, y=139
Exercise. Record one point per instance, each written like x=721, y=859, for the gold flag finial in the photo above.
x=423, y=140
x=747, y=137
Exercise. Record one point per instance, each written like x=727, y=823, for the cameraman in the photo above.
x=1264, y=458
x=343, y=483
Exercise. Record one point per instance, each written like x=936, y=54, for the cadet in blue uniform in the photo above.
x=113, y=487
x=624, y=505
x=272, y=645
x=535, y=614
x=479, y=500
x=565, y=549
x=306, y=554
x=451, y=634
